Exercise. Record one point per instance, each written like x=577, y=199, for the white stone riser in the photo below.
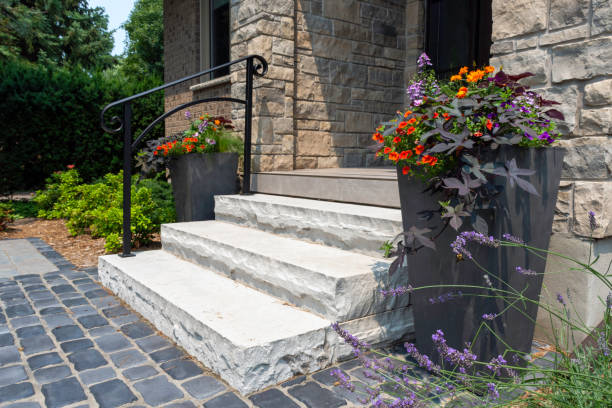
x=337, y=298
x=360, y=229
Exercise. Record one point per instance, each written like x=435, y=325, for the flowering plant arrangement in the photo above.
x=206, y=134
x=448, y=136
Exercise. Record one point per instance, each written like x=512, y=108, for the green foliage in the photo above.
x=145, y=40
x=51, y=119
x=21, y=208
x=54, y=32
x=96, y=208
x=6, y=215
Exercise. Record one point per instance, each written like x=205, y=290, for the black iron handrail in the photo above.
x=256, y=65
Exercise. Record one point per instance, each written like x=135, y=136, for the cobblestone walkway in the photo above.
x=65, y=341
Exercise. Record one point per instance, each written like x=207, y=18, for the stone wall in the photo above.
x=567, y=44
x=182, y=58
x=349, y=76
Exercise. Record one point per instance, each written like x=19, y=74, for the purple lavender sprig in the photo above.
x=422, y=360
x=400, y=290
x=344, y=380
x=445, y=297
x=512, y=238
x=348, y=338
x=423, y=61
x=463, y=359
x=187, y=115
x=489, y=316
x=526, y=272
x=493, y=393
x=560, y=299
x=592, y=221
x=459, y=244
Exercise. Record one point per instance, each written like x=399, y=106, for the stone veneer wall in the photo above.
x=182, y=58
x=567, y=44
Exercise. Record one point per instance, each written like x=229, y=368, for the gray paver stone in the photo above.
x=113, y=342
x=186, y=404
x=81, y=280
x=203, y=387
x=75, y=301
x=158, y=390
x=6, y=339
x=91, y=321
x=24, y=405
x=121, y=320
x=138, y=373
x=15, y=392
x=166, y=354
x=128, y=358
x=44, y=360
x=30, y=331
x=97, y=375
x=116, y=311
x=86, y=359
x=96, y=293
x=85, y=310
x=294, y=381
x=137, y=330
x=64, y=333
x=59, y=320
x=32, y=288
x=325, y=377
x=272, y=399
x=20, y=322
x=181, y=369
x=102, y=331
x=349, y=365
x=63, y=288
x=152, y=343
x=46, y=303
x=12, y=375
x=63, y=392
x=113, y=393
x=52, y=310
x=228, y=400
x=50, y=374
x=19, y=310
x=36, y=344
x=314, y=396
x=76, y=345
x=104, y=302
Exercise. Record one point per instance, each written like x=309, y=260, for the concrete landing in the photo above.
x=371, y=186
x=20, y=257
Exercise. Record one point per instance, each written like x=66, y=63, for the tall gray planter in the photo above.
x=197, y=178
x=528, y=217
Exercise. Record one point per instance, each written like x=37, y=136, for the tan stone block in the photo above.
x=567, y=96
x=565, y=13
x=598, y=93
x=282, y=73
x=308, y=124
x=583, y=60
x=305, y=162
x=502, y=47
x=593, y=196
x=331, y=47
x=346, y=10
x=518, y=17
x=329, y=162
x=358, y=122
x=564, y=208
x=587, y=158
x=286, y=28
x=569, y=34
x=524, y=43
x=596, y=121
x=282, y=46
x=312, y=143
x=304, y=40
x=602, y=17
x=311, y=110
x=536, y=61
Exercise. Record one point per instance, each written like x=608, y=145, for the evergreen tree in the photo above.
x=145, y=40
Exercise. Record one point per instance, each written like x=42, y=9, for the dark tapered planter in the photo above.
x=197, y=178
x=529, y=217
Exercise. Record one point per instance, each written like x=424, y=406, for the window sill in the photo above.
x=211, y=84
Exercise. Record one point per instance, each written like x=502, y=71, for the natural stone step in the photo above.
x=339, y=285
x=250, y=339
x=358, y=228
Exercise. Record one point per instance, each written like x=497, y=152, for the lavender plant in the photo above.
x=577, y=375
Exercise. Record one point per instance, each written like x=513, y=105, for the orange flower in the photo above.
x=475, y=76
x=394, y=156
x=408, y=113
x=463, y=70
x=402, y=125
x=378, y=137
x=217, y=122
x=446, y=116
x=426, y=159
x=455, y=78
x=462, y=92
x=386, y=150
x=419, y=149
x=489, y=69
x=410, y=130
x=201, y=117
x=489, y=124
x=406, y=154
x=397, y=139
x=433, y=161
x=477, y=134
x=405, y=170
x=412, y=120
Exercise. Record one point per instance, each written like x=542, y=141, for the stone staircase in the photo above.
x=252, y=294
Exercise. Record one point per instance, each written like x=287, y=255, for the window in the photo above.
x=215, y=35
x=458, y=33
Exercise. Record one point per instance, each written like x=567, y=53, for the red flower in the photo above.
x=419, y=149
x=410, y=130
x=402, y=125
x=394, y=156
x=70, y=166
x=397, y=139
x=446, y=116
x=412, y=120
x=433, y=161
x=435, y=115
x=406, y=154
x=489, y=124
x=405, y=170
x=387, y=150
x=477, y=134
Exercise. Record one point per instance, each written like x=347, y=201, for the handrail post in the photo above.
x=248, y=117
x=127, y=180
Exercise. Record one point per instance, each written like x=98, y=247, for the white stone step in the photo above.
x=336, y=284
x=250, y=339
x=353, y=227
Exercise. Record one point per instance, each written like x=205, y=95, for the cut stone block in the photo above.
x=351, y=227
x=339, y=285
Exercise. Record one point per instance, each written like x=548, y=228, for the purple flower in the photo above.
x=592, y=221
x=512, y=238
x=493, y=393
x=560, y=299
x=421, y=359
x=528, y=136
x=445, y=297
x=400, y=290
x=415, y=92
x=609, y=300
x=211, y=142
x=202, y=126
x=496, y=363
x=462, y=239
x=349, y=338
x=187, y=114
x=423, y=61
x=343, y=380
x=545, y=136
x=489, y=316
x=463, y=359
x=602, y=343
x=526, y=272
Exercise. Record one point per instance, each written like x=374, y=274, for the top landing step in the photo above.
x=369, y=186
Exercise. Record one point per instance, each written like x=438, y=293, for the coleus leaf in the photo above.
x=555, y=114
x=520, y=76
x=415, y=234
x=473, y=167
x=512, y=173
x=455, y=214
x=456, y=141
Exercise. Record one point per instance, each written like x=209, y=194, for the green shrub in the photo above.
x=96, y=208
x=6, y=215
x=51, y=119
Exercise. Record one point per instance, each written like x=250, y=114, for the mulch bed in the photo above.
x=83, y=250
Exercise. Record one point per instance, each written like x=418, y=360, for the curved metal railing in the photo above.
x=256, y=65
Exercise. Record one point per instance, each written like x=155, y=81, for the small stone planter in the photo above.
x=197, y=178
x=528, y=217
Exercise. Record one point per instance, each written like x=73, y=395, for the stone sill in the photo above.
x=211, y=84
